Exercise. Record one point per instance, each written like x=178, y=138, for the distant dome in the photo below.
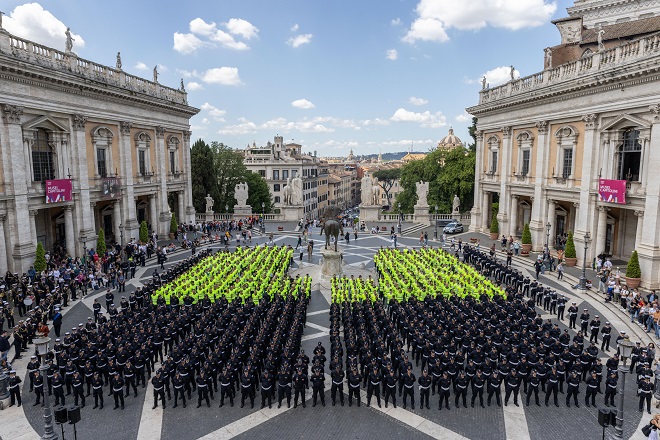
x=450, y=141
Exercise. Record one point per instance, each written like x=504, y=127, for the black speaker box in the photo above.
x=60, y=414
x=74, y=413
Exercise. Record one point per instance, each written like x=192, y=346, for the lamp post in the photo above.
x=121, y=235
x=547, y=239
x=83, y=240
x=583, y=278
x=42, y=349
x=625, y=348
x=263, y=219
x=435, y=224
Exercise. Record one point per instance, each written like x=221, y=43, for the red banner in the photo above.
x=58, y=191
x=612, y=191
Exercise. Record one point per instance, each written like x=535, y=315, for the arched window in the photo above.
x=42, y=157
x=142, y=144
x=630, y=155
x=173, y=148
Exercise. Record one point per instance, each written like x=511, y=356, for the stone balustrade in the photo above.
x=69, y=62
x=625, y=53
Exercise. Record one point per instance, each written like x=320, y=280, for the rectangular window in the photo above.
x=262, y=173
x=172, y=162
x=276, y=174
x=493, y=162
x=285, y=174
x=42, y=162
x=276, y=187
x=277, y=199
x=294, y=173
x=568, y=163
x=525, y=162
x=142, y=162
x=101, y=162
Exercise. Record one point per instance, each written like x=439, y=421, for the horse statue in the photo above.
x=331, y=226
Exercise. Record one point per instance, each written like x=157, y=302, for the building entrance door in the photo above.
x=608, y=239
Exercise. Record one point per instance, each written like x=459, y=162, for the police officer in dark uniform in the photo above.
x=300, y=383
x=97, y=390
x=494, y=381
x=337, y=377
x=572, y=389
x=318, y=385
x=444, y=390
x=373, y=388
x=610, y=388
x=14, y=388
x=572, y=315
x=159, y=391
x=409, y=388
x=267, y=389
x=425, y=389
x=389, y=389
x=203, y=391
x=38, y=383
x=512, y=386
x=606, y=333
x=77, y=382
x=645, y=392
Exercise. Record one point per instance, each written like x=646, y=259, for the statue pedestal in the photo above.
x=369, y=213
x=292, y=213
x=209, y=216
x=456, y=216
x=422, y=215
x=242, y=211
x=331, y=263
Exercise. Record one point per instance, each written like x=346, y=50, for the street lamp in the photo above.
x=83, y=240
x=121, y=235
x=42, y=349
x=263, y=219
x=435, y=223
x=625, y=350
x=547, y=240
x=583, y=278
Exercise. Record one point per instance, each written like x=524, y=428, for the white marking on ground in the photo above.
x=515, y=422
x=151, y=420
x=318, y=312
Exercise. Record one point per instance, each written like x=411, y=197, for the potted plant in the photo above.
x=40, y=260
x=633, y=272
x=100, y=243
x=526, y=240
x=494, y=228
x=569, y=252
x=144, y=232
x=173, y=226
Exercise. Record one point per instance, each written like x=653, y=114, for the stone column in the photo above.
x=116, y=220
x=505, y=174
x=190, y=209
x=485, y=210
x=599, y=243
x=552, y=219
x=181, y=209
x=68, y=231
x=514, y=215
x=3, y=245
x=585, y=221
x=131, y=225
x=82, y=203
x=16, y=167
x=153, y=212
x=33, y=225
x=477, y=214
x=536, y=223
x=640, y=227
x=162, y=226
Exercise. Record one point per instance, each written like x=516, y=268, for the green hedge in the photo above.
x=569, y=252
x=633, y=270
x=527, y=235
x=494, y=225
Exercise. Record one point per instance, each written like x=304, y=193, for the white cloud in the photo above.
x=465, y=117
x=409, y=142
x=162, y=68
x=392, y=54
x=205, y=121
x=141, y=66
x=396, y=21
x=200, y=27
x=434, y=17
x=193, y=85
x=377, y=121
x=302, y=103
x=212, y=110
x=222, y=75
x=187, y=73
x=31, y=21
x=187, y=43
x=243, y=127
x=499, y=75
x=295, y=28
x=426, y=119
x=418, y=101
x=228, y=41
x=299, y=40
x=238, y=26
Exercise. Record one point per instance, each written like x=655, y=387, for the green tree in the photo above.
x=173, y=224
x=633, y=270
x=386, y=180
x=40, y=259
x=100, y=243
x=569, y=251
x=258, y=192
x=144, y=231
x=472, y=130
x=494, y=225
x=203, y=175
x=526, y=235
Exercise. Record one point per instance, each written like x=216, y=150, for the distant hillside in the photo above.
x=392, y=156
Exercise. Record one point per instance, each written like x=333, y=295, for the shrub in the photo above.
x=173, y=224
x=40, y=259
x=633, y=270
x=527, y=235
x=144, y=232
x=569, y=252
x=100, y=243
x=494, y=225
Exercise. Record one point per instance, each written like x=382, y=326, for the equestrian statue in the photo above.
x=331, y=226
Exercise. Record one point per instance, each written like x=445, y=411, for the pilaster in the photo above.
x=190, y=209
x=131, y=224
x=83, y=209
x=476, y=213
x=162, y=226
x=507, y=145
x=536, y=222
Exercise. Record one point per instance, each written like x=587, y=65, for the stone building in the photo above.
x=546, y=140
x=450, y=142
x=276, y=162
x=119, y=142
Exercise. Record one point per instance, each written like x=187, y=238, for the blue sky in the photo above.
x=331, y=74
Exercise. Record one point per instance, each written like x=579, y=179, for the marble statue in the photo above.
x=422, y=192
x=118, y=60
x=69, y=40
x=183, y=89
x=483, y=83
x=601, y=45
x=367, y=192
x=297, y=191
x=548, y=58
x=209, y=203
x=156, y=74
x=241, y=193
x=1, y=14
x=513, y=73
x=375, y=193
x=287, y=191
x=456, y=205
